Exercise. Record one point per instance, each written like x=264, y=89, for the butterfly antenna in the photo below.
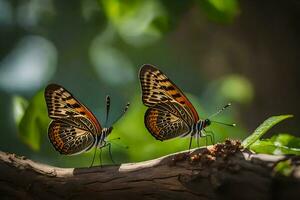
x=219, y=111
x=107, y=109
x=233, y=125
x=124, y=111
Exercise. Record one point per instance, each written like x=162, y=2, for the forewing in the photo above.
x=157, y=88
x=62, y=105
x=164, y=121
x=68, y=139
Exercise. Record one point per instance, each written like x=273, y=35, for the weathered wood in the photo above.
x=222, y=171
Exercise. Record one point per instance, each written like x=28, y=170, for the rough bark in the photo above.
x=223, y=171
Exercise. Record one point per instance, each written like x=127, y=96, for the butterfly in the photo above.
x=74, y=128
x=170, y=114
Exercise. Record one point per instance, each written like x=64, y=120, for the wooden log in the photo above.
x=222, y=171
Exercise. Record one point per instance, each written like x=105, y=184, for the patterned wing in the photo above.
x=157, y=88
x=62, y=105
x=69, y=139
x=74, y=128
x=164, y=121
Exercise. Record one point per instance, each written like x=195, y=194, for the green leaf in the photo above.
x=137, y=22
x=279, y=145
x=34, y=122
x=263, y=128
x=284, y=167
x=223, y=11
x=269, y=147
x=20, y=104
x=287, y=140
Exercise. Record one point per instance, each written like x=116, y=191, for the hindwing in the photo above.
x=164, y=121
x=68, y=139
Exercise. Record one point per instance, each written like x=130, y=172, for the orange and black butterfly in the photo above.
x=74, y=129
x=170, y=113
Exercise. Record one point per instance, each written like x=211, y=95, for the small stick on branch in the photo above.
x=222, y=171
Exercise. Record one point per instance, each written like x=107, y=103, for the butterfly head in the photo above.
x=102, y=136
x=107, y=131
x=110, y=130
x=207, y=122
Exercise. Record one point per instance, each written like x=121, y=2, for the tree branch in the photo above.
x=222, y=171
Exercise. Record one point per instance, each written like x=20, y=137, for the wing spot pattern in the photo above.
x=170, y=113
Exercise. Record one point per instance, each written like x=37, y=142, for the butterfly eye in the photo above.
x=207, y=122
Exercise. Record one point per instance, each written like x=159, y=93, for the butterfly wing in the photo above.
x=63, y=105
x=170, y=113
x=157, y=87
x=164, y=121
x=74, y=128
x=68, y=139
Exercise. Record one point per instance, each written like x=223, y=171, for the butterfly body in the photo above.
x=73, y=129
x=170, y=114
x=101, y=142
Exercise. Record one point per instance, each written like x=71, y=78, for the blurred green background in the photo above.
x=216, y=51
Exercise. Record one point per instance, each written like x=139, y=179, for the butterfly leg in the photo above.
x=105, y=143
x=211, y=135
x=100, y=157
x=198, y=139
x=190, y=145
x=206, y=142
x=206, y=136
x=110, y=154
x=94, y=157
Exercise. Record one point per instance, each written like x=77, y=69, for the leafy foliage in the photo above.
x=33, y=124
x=284, y=168
x=263, y=128
x=20, y=105
x=279, y=144
x=140, y=23
x=137, y=22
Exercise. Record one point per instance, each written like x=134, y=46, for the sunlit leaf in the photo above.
x=284, y=167
x=138, y=22
x=279, y=145
x=286, y=140
x=20, y=104
x=34, y=122
x=263, y=128
x=269, y=147
x=223, y=11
